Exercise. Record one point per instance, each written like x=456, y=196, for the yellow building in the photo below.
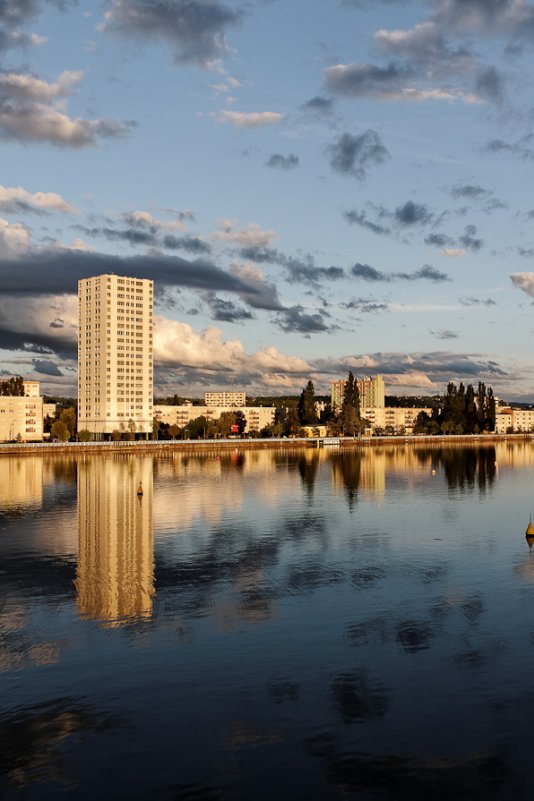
x=372, y=392
x=21, y=482
x=226, y=399
x=115, y=344
x=115, y=572
x=21, y=419
x=400, y=419
x=257, y=417
x=520, y=420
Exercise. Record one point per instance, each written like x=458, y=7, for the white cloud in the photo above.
x=411, y=379
x=251, y=236
x=33, y=110
x=249, y=119
x=53, y=316
x=15, y=238
x=16, y=199
x=177, y=344
x=453, y=252
x=524, y=282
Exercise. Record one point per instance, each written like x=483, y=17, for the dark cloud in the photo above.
x=469, y=240
x=283, y=162
x=191, y=244
x=427, y=272
x=195, y=29
x=471, y=191
x=296, y=320
x=227, y=312
x=364, y=80
x=353, y=155
x=444, y=334
x=366, y=306
x=56, y=272
x=521, y=149
x=439, y=366
x=411, y=213
x=489, y=85
x=367, y=273
x=477, y=302
x=298, y=270
x=360, y=218
x=438, y=240
x=319, y=105
x=46, y=367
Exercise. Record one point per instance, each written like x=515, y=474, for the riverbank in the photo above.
x=143, y=446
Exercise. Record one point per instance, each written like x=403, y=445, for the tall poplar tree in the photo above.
x=307, y=408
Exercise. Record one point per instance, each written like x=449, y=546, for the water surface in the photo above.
x=315, y=624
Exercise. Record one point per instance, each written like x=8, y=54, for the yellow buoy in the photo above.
x=530, y=529
x=140, y=492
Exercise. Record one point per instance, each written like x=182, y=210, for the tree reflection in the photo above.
x=346, y=471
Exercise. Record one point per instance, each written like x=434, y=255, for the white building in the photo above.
x=400, y=419
x=520, y=420
x=226, y=399
x=257, y=417
x=115, y=344
x=21, y=418
x=371, y=390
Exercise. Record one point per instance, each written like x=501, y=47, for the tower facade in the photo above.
x=115, y=363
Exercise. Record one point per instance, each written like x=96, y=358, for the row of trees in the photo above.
x=12, y=386
x=464, y=411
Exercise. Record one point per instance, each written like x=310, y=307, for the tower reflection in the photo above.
x=115, y=574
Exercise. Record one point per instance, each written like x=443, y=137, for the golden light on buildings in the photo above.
x=115, y=575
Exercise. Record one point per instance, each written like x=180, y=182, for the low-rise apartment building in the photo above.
x=257, y=417
x=226, y=399
x=372, y=392
x=400, y=419
x=514, y=420
x=21, y=418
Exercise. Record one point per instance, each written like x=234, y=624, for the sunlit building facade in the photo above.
x=225, y=399
x=257, y=417
x=372, y=392
x=115, y=345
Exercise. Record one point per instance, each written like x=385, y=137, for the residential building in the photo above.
x=115, y=344
x=514, y=419
x=257, y=417
x=32, y=389
x=49, y=410
x=372, y=392
x=21, y=419
x=398, y=420
x=226, y=399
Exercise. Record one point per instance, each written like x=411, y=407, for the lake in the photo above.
x=313, y=624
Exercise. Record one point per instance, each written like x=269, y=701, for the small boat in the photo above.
x=140, y=492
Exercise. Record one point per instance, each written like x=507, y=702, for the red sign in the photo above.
x=234, y=429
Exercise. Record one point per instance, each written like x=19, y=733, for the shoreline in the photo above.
x=165, y=446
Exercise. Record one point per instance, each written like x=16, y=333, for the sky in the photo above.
x=315, y=186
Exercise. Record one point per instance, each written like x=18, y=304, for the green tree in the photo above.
x=349, y=422
x=491, y=411
x=241, y=421
x=12, y=386
x=156, y=425
x=116, y=435
x=174, y=431
x=60, y=431
x=196, y=429
x=68, y=416
x=84, y=435
x=481, y=406
x=307, y=409
x=292, y=423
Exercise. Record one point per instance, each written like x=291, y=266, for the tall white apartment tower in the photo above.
x=115, y=369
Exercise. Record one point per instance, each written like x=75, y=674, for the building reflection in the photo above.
x=21, y=482
x=115, y=573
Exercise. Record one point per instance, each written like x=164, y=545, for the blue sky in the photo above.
x=314, y=187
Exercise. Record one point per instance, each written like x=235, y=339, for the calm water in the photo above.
x=311, y=625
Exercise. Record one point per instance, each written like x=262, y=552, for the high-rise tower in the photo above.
x=115, y=369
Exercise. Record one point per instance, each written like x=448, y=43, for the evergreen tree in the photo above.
x=481, y=406
x=307, y=408
x=349, y=422
x=491, y=411
x=471, y=416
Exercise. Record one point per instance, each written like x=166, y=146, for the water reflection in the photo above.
x=21, y=483
x=115, y=573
